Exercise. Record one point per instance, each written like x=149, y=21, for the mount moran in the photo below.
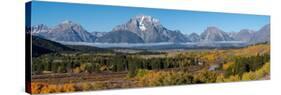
x=145, y=29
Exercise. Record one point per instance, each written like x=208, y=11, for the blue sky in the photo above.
x=104, y=18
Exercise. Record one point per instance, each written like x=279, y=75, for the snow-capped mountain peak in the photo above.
x=41, y=28
x=144, y=20
x=141, y=25
x=69, y=24
x=68, y=31
x=150, y=30
x=66, y=22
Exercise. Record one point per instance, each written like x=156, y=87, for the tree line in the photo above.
x=59, y=63
x=247, y=64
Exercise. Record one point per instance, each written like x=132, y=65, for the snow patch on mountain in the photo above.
x=141, y=25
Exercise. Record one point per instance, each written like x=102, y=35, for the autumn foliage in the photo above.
x=84, y=72
x=37, y=88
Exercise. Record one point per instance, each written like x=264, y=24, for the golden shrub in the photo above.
x=77, y=70
x=41, y=88
x=249, y=76
x=68, y=88
x=163, y=78
x=227, y=65
x=86, y=86
x=233, y=78
x=258, y=74
x=99, y=85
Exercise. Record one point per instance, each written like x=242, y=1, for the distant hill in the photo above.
x=42, y=46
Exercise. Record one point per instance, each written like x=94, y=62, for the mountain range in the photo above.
x=148, y=29
x=145, y=29
x=65, y=31
x=214, y=34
